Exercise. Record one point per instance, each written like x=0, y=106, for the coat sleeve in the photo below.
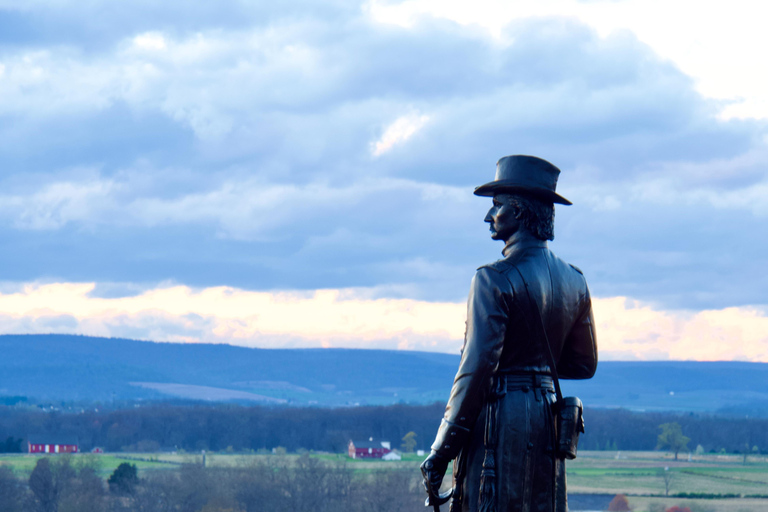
x=578, y=360
x=487, y=316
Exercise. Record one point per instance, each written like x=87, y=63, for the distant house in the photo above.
x=368, y=449
x=97, y=449
x=393, y=455
x=52, y=444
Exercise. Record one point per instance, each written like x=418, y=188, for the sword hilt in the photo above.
x=434, y=498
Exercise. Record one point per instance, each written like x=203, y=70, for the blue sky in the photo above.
x=283, y=152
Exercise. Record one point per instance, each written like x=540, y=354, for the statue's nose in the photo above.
x=488, y=217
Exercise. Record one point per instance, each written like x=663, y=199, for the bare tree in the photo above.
x=12, y=491
x=668, y=477
x=84, y=491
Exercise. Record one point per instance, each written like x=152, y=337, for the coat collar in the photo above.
x=520, y=246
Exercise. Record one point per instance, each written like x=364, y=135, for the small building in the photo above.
x=393, y=455
x=97, y=449
x=52, y=444
x=368, y=449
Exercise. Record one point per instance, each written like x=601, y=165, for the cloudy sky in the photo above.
x=300, y=173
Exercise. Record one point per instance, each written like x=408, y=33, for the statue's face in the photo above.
x=502, y=219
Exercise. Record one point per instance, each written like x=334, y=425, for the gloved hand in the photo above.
x=433, y=470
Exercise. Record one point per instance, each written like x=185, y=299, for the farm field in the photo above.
x=636, y=474
x=639, y=474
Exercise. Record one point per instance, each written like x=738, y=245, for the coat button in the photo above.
x=530, y=446
x=525, y=389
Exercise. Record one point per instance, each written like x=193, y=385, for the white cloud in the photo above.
x=150, y=41
x=205, y=80
x=402, y=129
x=720, y=46
x=41, y=83
x=626, y=329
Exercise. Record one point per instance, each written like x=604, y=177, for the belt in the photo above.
x=527, y=381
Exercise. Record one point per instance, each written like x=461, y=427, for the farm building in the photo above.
x=47, y=444
x=368, y=449
x=393, y=455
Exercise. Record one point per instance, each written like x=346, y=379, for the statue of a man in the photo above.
x=507, y=460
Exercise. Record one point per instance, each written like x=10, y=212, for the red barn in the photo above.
x=368, y=449
x=45, y=444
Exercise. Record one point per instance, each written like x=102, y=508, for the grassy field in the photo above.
x=640, y=474
x=637, y=474
x=22, y=464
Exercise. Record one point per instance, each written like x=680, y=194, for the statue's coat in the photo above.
x=502, y=340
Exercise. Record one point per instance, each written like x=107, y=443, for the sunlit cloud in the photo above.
x=402, y=129
x=629, y=329
x=226, y=315
x=626, y=329
x=150, y=41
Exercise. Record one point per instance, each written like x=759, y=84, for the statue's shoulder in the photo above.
x=500, y=266
x=572, y=273
x=554, y=259
x=499, y=275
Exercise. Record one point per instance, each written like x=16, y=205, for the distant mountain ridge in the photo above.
x=66, y=367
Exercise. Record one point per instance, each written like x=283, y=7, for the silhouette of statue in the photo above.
x=499, y=425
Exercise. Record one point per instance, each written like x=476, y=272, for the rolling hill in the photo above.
x=65, y=367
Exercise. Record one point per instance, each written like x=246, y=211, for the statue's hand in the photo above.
x=433, y=470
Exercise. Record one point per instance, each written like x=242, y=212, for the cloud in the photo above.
x=304, y=91
x=308, y=145
x=228, y=315
x=629, y=329
x=150, y=41
x=57, y=204
x=357, y=318
x=398, y=132
x=722, y=61
x=250, y=209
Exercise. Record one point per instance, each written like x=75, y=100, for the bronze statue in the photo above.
x=499, y=425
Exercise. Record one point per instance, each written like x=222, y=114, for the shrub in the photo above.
x=124, y=479
x=619, y=503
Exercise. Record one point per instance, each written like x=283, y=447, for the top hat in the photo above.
x=525, y=175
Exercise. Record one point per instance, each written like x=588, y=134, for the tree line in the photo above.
x=274, y=484
x=219, y=427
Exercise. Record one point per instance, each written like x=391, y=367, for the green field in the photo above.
x=637, y=474
x=23, y=464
